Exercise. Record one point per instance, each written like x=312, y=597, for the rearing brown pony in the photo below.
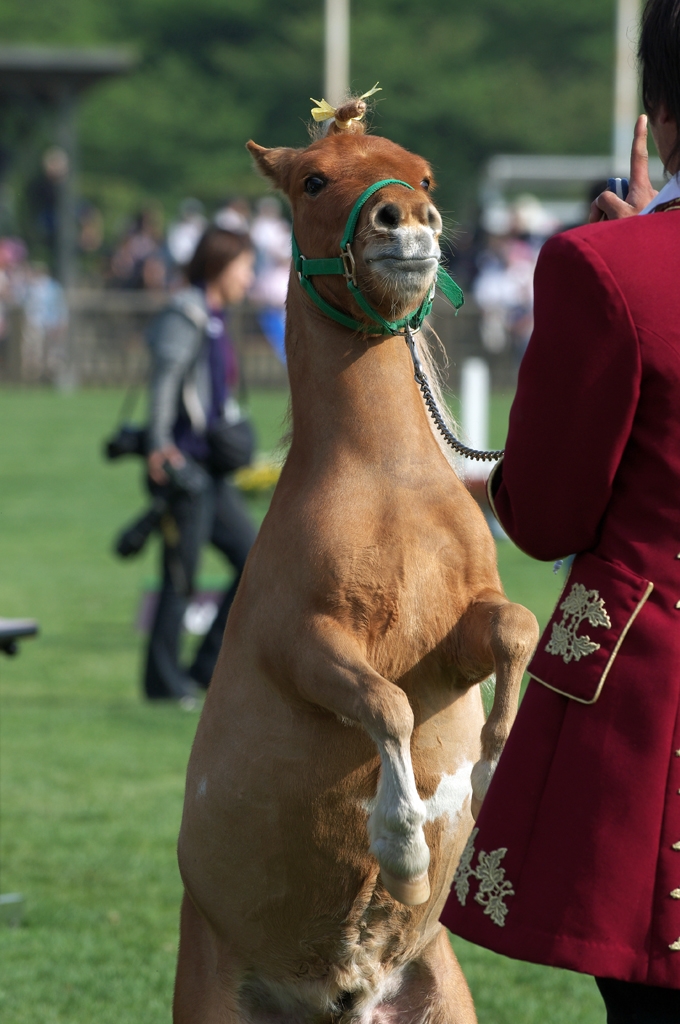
x=328, y=791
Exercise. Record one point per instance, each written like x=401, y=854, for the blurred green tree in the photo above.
x=460, y=82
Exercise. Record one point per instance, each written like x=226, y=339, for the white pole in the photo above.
x=336, y=86
x=474, y=401
x=626, y=104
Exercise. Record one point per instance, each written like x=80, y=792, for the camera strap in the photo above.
x=129, y=404
x=192, y=404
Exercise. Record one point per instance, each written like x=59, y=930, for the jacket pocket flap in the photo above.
x=595, y=610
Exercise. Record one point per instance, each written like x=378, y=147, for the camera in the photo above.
x=128, y=440
x=188, y=480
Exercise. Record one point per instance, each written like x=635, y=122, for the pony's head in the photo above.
x=396, y=243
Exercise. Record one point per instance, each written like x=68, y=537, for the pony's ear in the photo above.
x=274, y=163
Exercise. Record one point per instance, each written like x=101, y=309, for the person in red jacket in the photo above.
x=575, y=858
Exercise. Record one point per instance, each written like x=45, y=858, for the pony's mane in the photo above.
x=435, y=371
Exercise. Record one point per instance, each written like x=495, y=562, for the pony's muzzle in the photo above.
x=389, y=216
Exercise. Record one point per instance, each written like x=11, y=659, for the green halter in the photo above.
x=345, y=266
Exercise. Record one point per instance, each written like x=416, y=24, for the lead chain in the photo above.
x=424, y=385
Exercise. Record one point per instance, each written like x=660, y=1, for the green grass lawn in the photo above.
x=92, y=778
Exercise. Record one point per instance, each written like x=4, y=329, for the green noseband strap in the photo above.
x=345, y=267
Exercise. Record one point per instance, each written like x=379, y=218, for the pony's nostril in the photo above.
x=433, y=219
x=388, y=215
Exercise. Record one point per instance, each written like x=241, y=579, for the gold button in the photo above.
x=678, y=555
x=675, y=946
x=675, y=846
x=675, y=894
x=677, y=753
x=677, y=604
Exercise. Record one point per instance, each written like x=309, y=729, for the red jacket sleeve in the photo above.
x=576, y=397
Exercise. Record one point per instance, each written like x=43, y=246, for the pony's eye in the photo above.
x=425, y=183
x=314, y=184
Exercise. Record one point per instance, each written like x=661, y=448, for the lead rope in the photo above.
x=424, y=385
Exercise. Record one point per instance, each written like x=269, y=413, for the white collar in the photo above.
x=671, y=190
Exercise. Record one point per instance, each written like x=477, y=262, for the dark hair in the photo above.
x=659, y=54
x=215, y=250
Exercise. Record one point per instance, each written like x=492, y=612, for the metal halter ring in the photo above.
x=349, y=263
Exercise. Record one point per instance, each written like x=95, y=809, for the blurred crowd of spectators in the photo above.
x=145, y=256
x=495, y=265
x=494, y=262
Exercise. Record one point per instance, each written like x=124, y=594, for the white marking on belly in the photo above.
x=451, y=794
x=202, y=786
x=448, y=799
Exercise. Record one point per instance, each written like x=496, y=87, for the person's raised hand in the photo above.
x=155, y=460
x=608, y=206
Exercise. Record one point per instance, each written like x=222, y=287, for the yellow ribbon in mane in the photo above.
x=323, y=111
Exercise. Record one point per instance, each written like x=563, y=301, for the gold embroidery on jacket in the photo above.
x=493, y=885
x=579, y=604
x=675, y=945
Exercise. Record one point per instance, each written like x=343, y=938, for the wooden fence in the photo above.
x=105, y=346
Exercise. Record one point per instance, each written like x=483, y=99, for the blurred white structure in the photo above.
x=626, y=99
x=507, y=172
x=336, y=80
x=475, y=383
x=184, y=233
x=549, y=175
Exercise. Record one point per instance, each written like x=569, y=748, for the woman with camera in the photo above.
x=196, y=434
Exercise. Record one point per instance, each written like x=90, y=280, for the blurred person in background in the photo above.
x=194, y=381
x=271, y=234
x=575, y=858
x=503, y=288
x=140, y=260
x=43, y=199
x=13, y=254
x=184, y=233
x=234, y=215
x=43, y=349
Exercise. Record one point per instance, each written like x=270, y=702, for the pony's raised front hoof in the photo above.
x=409, y=891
